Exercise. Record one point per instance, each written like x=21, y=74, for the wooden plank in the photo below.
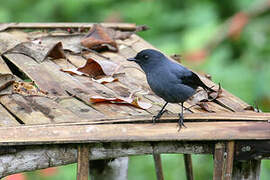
x=219, y=161
x=83, y=91
x=110, y=89
x=44, y=80
x=80, y=109
x=83, y=162
x=6, y=119
x=4, y=69
x=188, y=166
x=38, y=110
x=134, y=132
x=121, y=26
x=49, y=78
x=229, y=162
x=25, y=112
x=29, y=158
x=194, y=117
x=158, y=166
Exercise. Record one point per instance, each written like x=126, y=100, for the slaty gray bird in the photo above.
x=169, y=80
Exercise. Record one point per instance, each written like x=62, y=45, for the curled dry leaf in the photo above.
x=105, y=79
x=122, y=100
x=56, y=51
x=99, y=39
x=27, y=89
x=94, y=68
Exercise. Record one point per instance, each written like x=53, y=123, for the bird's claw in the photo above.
x=181, y=122
x=158, y=116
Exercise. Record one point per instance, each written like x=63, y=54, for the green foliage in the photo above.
x=241, y=65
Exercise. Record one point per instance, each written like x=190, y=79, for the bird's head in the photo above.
x=148, y=58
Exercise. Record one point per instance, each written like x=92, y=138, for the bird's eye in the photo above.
x=145, y=56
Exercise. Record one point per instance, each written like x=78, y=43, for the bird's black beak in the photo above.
x=132, y=59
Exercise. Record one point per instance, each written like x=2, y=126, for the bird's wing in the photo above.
x=189, y=78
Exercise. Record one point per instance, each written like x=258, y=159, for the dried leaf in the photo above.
x=6, y=81
x=105, y=79
x=132, y=101
x=94, y=68
x=56, y=52
x=99, y=39
x=74, y=71
x=38, y=51
x=204, y=106
x=27, y=89
x=200, y=96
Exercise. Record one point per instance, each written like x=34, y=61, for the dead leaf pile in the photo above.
x=135, y=101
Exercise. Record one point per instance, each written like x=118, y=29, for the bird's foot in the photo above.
x=181, y=122
x=158, y=116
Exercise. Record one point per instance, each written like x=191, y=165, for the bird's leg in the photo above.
x=162, y=111
x=181, y=118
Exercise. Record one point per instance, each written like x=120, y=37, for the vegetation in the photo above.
x=240, y=61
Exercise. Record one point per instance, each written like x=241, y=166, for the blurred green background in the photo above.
x=230, y=40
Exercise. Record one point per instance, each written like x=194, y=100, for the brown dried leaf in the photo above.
x=105, y=79
x=99, y=39
x=132, y=101
x=74, y=71
x=39, y=52
x=204, y=106
x=94, y=68
x=57, y=51
x=27, y=89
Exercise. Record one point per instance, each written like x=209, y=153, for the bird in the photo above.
x=169, y=80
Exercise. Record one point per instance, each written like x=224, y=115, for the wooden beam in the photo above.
x=83, y=162
x=31, y=158
x=22, y=135
x=229, y=160
x=188, y=166
x=158, y=166
x=219, y=161
x=121, y=26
